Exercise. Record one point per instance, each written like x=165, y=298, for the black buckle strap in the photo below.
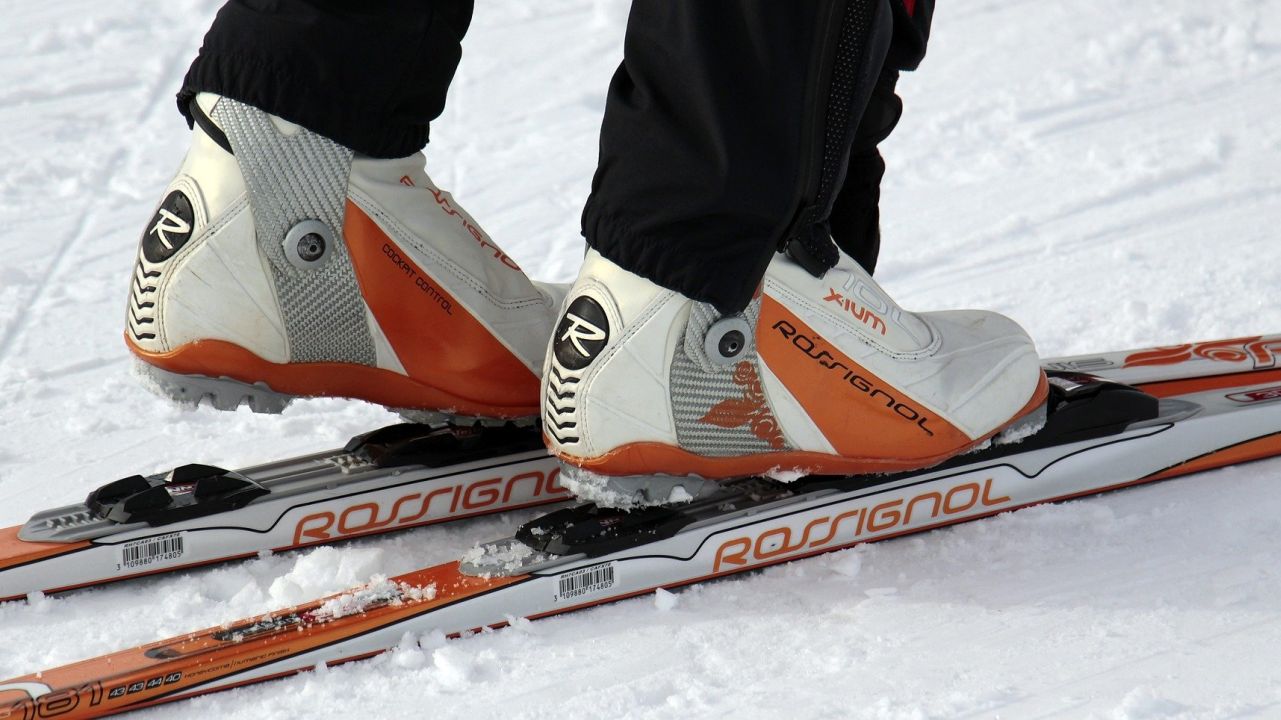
x=207, y=124
x=810, y=244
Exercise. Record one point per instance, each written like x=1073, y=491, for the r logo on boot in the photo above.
x=169, y=229
x=583, y=332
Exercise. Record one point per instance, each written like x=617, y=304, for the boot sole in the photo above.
x=229, y=394
x=221, y=393
x=191, y=375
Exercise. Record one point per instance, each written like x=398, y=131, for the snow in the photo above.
x=1106, y=173
x=608, y=492
x=507, y=558
x=665, y=600
x=379, y=591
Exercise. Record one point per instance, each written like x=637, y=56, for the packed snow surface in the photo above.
x=1106, y=173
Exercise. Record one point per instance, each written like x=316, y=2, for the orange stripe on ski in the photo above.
x=15, y=551
x=177, y=667
x=1257, y=449
x=1187, y=386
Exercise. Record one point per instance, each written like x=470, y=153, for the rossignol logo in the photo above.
x=832, y=531
x=1261, y=351
x=464, y=498
x=866, y=385
x=169, y=229
x=442, y=202
x=750, y=409
x=580, y=331
x=581, y=334
x=168, y=223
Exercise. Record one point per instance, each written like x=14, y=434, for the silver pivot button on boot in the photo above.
x=726, y=340
x=309, y=244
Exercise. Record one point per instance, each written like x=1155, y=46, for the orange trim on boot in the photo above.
x=433, y=335
x=860, y=414
x=648, y=458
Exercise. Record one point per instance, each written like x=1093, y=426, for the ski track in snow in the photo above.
x=1105, y=173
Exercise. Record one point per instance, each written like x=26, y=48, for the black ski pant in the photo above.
x=733, y=129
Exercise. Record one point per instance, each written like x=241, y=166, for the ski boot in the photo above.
x=279, y=264
x=648, y=394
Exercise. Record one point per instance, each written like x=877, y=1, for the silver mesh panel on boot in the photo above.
x=719, y=409
x=291, y=178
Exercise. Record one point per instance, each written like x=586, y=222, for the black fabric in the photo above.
x=371, y=75
x=861, y=45
x=911, y=34
x=701, y=148
x=716, y=143
x=731, y=128
x=855, y=219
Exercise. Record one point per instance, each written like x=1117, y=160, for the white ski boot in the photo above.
x=279, y=265
x=818, y=376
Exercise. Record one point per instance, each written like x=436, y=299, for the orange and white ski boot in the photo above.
x=279, y=264
x=647, y=393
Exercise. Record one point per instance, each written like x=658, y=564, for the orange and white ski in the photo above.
x=1098, y=436
x=399, y=477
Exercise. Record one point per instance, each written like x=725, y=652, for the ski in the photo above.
x=395, y=478
x=1099, y=435
x=400, y=477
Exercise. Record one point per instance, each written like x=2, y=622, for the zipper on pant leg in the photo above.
x=851, y=63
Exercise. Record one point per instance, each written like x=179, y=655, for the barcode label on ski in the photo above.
x=141, y=553
x=586, y=581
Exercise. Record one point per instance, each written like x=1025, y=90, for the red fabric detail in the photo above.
x=911, y=6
